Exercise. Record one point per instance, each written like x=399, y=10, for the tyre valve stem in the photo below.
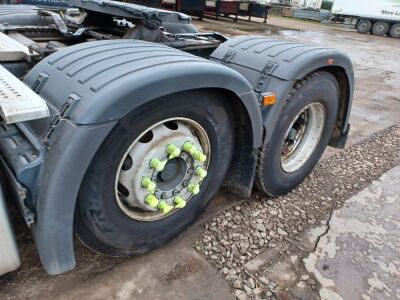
x=151, y=200
x=164, y=207
x=201, y=172
x=173, y=151
x=179, y=202
x=158, y=165
x=194, y=188
x=149, y=185
x=189, y=148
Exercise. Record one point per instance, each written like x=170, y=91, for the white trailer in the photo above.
x=379, y=17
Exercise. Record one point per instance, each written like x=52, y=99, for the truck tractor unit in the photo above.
x=378, y=17
x=119, y=123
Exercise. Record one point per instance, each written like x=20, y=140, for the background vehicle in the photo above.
x=124, y=128
x=379, y=17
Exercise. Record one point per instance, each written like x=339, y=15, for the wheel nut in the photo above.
x=164, y=207
x=158, y=165
x=173, y=151
x=194, y=188
x=189, y=148
x=151, y=200
x=199, y=156
x=201, y=172
x=149, y=185
x=179, y=202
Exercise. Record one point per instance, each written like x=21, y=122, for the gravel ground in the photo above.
x=239, y=234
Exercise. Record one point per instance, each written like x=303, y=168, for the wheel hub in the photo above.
x=302, y=137
x=173, y=173
x=163, y=169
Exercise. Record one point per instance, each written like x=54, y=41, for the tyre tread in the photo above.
x=260, y=180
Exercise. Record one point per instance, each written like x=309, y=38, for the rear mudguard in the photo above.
x=88, y=88
x=22, y=15
x=274, y=66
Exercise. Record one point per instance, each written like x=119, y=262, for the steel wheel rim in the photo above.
x=302, y=137
x=148, y=146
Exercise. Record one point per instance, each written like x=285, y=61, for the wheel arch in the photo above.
x=274, y=66
x=89, y=109
x=345, y=80
x=346, y=86
x=118, y=78
x=340, y=66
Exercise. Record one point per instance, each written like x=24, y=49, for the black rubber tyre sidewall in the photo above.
x=99, y=221
x=321, y=87
x=369, y=25
x=392, y=33
x=380, y=33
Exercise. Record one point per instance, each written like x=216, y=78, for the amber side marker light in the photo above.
x=269, y=99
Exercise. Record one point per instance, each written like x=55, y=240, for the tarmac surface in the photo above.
x=359, y=256
x=301, y=222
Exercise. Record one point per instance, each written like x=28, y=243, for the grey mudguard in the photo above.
x=88, y=88
x=21, y=15
x=108, y=79
x=272, y=65
x=66, y=161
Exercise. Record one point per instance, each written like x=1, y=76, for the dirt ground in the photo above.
x=376, y=106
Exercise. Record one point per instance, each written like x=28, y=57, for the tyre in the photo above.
x=380, y=28
x=364, y=26
x=120, y=212
x=395, y=31
x=300, y=136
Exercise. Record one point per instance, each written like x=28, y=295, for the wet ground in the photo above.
x=362, y=245
x=186, y=274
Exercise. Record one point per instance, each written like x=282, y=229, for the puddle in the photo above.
x=283, y=32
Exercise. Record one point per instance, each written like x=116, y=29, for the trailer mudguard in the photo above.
x=274, y=66
x=88, y=88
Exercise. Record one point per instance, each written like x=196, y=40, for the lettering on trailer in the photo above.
x=391, y=13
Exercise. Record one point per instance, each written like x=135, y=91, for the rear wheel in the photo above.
x=364, y=26
x=395, y=31
x=155, y=173
x=300, y=136
x=380, y=28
